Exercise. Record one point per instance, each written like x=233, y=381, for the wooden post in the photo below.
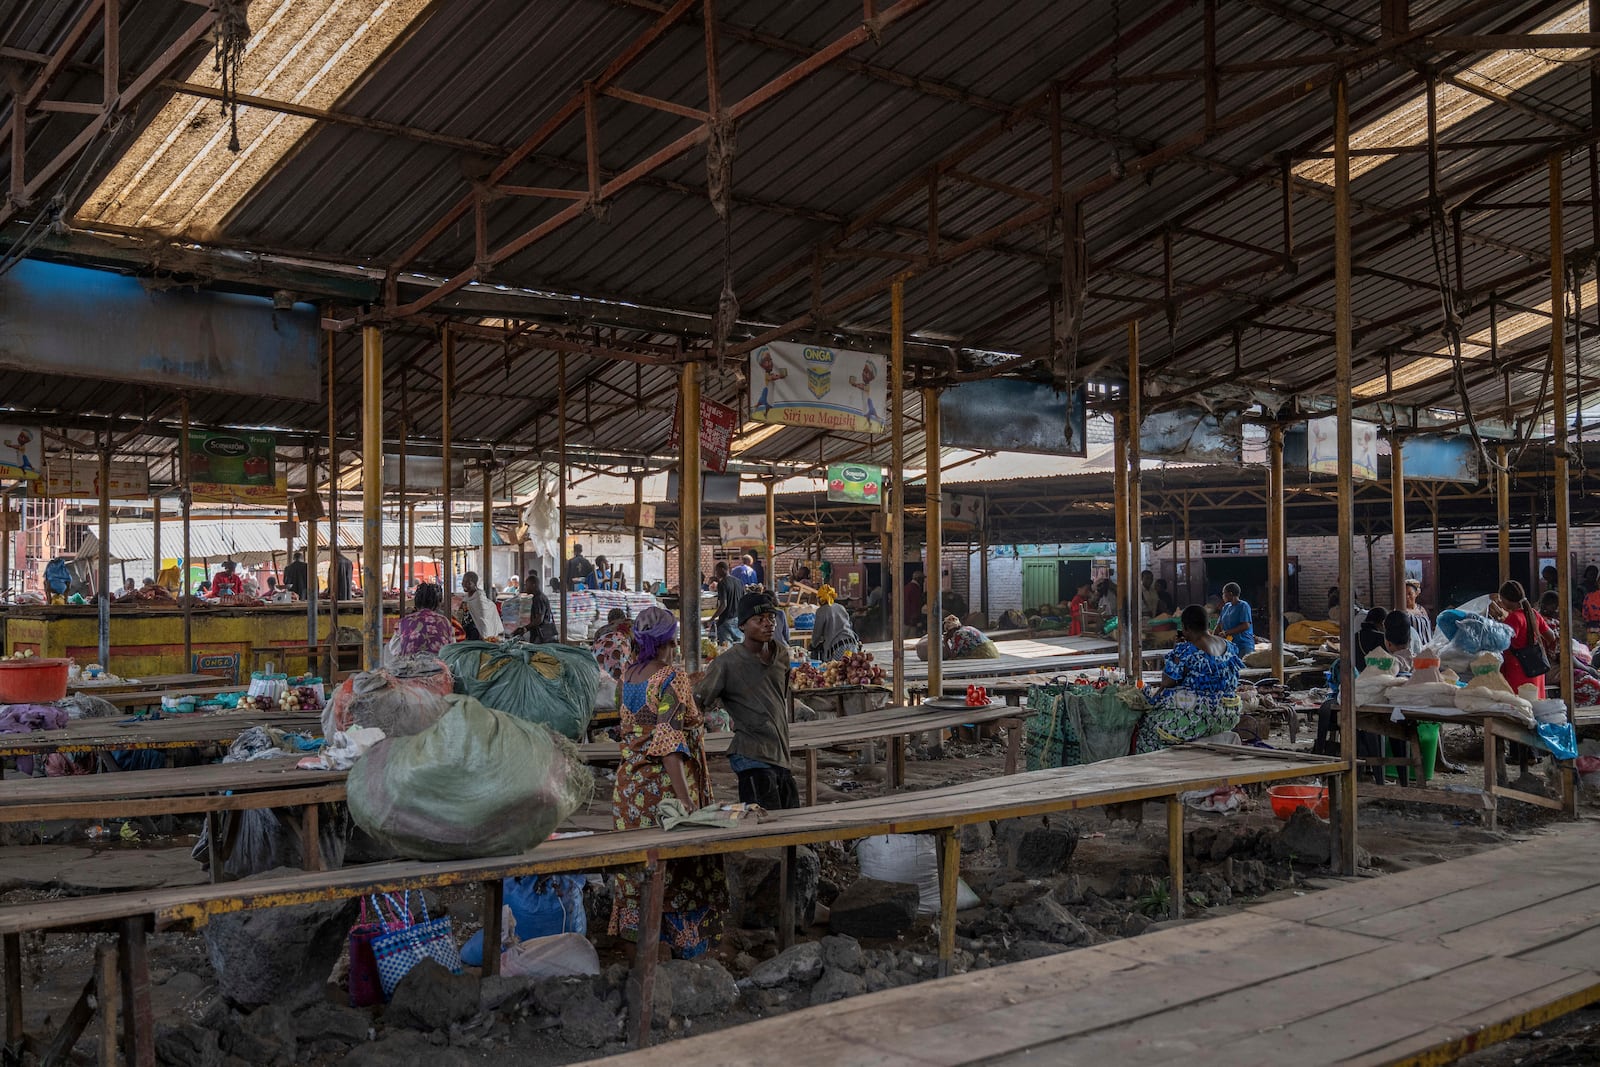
x=6, y=535
x=983, y=567
x=447, y=374
x=335, y=554
x=1397, y=505
x=1133, y=623
x=1502, y=493
x=896, y=609
x=689, y=518
x=771, y=487
x=185, y=498
x=935, y=534
x=13, y=973
x=488, y=528
x=1344, y=793
x=138, y=1027
x=1119, y=506
x=1277, y=551
x=638, y=535
x=949, y=879
x=561, y=508
x=1175, y=857
x=1563, y=501
x=308, y=537
x=155, y=541
x=372, y=497
x=107, y=993
x=1188, y=556
x=103, y=559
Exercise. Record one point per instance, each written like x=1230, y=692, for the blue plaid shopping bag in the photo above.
x=399, y=950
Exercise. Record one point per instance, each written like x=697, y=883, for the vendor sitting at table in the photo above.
x=831, y=634
x=966, y=642
x=1198, y=694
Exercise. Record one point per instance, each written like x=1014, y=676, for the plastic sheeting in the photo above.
x=550, y=684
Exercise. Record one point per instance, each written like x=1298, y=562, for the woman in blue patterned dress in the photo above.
x=1199, y=691
x=663, y=755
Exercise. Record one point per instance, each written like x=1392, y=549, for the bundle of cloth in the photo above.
x=1372, y=685
x=1428, y=687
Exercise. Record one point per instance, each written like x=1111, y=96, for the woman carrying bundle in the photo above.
x=663, y=755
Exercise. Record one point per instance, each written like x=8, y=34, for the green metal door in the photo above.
x=1041, y=583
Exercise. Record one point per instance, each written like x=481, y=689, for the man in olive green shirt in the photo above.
x=751, y=681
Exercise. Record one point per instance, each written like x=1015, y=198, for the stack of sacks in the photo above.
x=1489, y=692
x=1469, y=634
x=1375, y=679
x=1425, y=688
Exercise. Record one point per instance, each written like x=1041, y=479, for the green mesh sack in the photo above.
x=1102, y=721
x=475, y=783
x=550, y=684
x=1048, y=736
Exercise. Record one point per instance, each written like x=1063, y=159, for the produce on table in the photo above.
x=300, y=698
x=854, y=668
x=26, y=653
x=806, y=676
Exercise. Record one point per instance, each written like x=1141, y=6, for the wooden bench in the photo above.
x=1153, y=776
x=1419, y=967
x=191, y=730
x=1497, y=732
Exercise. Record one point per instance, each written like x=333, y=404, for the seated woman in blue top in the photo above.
x=1199, y=691
x=1234, y=622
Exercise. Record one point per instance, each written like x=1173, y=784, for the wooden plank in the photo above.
x=986, y=1013
x=1519, y=907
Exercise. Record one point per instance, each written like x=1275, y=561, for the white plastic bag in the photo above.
x=911, y=859
x=555, y=956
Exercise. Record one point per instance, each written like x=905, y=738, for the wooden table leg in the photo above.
x=811, y=777
x=642, y=980
x=493, y=898
x=785, y=899
x=1491, y=773
x=13, y=967
x=1175, y=854
x=949, y=873
x=138, y=1027
x=1013, y=729
x=107, y=994
x=1294, y=725
x=311, y=837
x=897, y=763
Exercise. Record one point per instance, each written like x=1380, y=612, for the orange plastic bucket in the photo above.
x=1287, y=798
x=33, y=681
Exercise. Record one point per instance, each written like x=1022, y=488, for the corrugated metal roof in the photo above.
x=840, y=142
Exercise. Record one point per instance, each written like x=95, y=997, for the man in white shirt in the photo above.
x=485, y=615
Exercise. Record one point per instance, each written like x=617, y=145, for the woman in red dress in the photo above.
x=1527, y=626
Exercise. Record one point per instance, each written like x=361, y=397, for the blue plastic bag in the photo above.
x=541, y=906
x=1559, y=738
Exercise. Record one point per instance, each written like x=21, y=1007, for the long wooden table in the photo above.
x=191, y=730
x=1153, y=776
x=1419, y=967
x=158, y=682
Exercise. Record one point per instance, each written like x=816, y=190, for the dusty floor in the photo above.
x=1113, y=859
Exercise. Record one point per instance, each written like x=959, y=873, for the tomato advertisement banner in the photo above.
x=740, y=532
x=235, y=468
x=854, y=483
x=827, y=388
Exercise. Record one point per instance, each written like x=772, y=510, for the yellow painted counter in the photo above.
x=148, y=641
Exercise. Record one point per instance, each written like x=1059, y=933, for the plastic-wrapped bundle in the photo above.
x=476, y=783
x=551, y=684
x=1467, y=635
x=1375, y=679
x=396, y=703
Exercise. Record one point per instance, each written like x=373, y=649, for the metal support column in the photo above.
x=155, y=538
x=103, y=560
x=1397, y=505
x=308, y=537
x=1344, y=794
x=561, y=499
x=935, y=534
x=488, y=528
x=638, y=535
x=689, y=519
x=372, y=497
x=983, y=567
x=771, y=487
x=1133, y=623
x=1563, y=493
x=895, y=565
x=1502, y=500
x=1277, y=549
x=447, y=388
x=335, y=553
x=186, y=499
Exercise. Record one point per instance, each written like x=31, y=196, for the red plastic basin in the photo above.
x=32, y=681
x=1287, y=798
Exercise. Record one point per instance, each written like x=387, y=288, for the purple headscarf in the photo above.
x=652, y=630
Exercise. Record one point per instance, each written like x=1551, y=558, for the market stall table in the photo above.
x=190, y=730
x=1161, y=776
x=839, y=695
x=158, y=682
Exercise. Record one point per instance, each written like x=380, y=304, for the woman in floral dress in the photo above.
x=1199, y=691
x=663, y=755
x=426, y=629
